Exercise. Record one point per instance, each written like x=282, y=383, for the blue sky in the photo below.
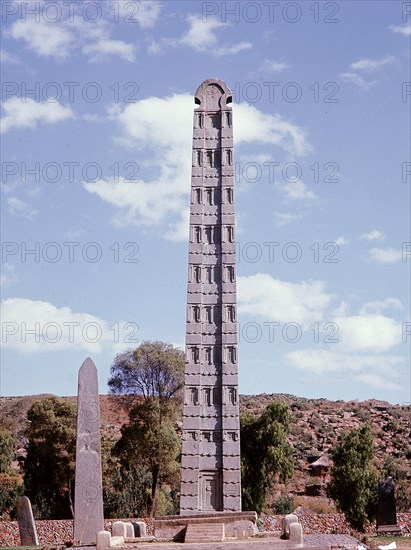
x=96, y=139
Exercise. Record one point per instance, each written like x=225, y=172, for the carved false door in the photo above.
x=211, y=491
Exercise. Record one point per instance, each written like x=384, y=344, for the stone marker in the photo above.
x=103, y=540
x=387, y=513
x=129, y=530
x=210, y=464
x=119, y=529
x=296, y=533
x=88, y=498
x=27, y=527
x=140, y=529
x=286, y=522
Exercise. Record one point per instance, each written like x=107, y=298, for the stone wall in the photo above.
x=54, y=532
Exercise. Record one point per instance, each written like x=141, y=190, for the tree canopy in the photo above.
x=155, y=372
x=50, y=462
x=154, y=369
x=354, y=482
x=266, y=454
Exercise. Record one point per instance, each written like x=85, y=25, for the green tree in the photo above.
x=150, y=440
x=354, y=482
x=155, y=372
x=11, y=483
x=50, y=462
x=266, y=454
x=400, y=471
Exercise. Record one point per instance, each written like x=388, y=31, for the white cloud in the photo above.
x=6, y=57
x=377, y=381
x=46, y=39
x=148, y=12
x=342, y=240
x=52, y=328
x=379, y=305
x=202, y=37
x=298, y=190
x=100, y=50
x=373, y=235
x=401, y=29
x=8, y=274
x=252, y=125
x=385, y=255
x=376, y=367
x=366, y=66
x=28, y=113
x=161, y=128
x=373, y=64
x=273, y=300
x=285, y=218
x=357, y=80
x=60, y=40
x=17, y=207
x=368, y=332
x=271, y=66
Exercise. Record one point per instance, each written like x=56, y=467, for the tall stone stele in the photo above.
x=88, y=494
x=211, y=479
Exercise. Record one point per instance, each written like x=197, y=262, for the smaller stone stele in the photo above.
x=296, y=533
x=27, y=527
x=387, y=513
x=286, y=523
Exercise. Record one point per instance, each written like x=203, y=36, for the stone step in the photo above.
x=205, y=532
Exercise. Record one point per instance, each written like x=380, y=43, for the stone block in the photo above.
x=140, y=529
x=27, y=526
x=103, y=540
x=119, y=529
x=296, y=534
x=286, y=522
x=129, y=530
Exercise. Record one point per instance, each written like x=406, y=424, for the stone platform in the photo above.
x=237, y=525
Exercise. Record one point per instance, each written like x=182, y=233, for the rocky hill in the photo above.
x=316, y=424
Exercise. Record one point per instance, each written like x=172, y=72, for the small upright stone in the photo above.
x=129, y=530
x=119, y=529
x=287, y=521
x=387, y=513
x=140, y=529
x=88, y=499
x=27, y=527
x=296, y=533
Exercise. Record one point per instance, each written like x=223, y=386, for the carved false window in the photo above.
x=195, y=354
x=197, y=234
x=228, y=118
x=192, y=395
x=197, y=196
x=230, y=313
x=209, y=161
x=210, y=196
x=232, y=436
x=232, y=395
x=206, y=436
x=229, y=157
x=192, y=435
x=209, y=232
x=231, y=354
x=195, y=274
x=207, y=397
x=214, y=121
x=200, y=120
x=230, y=233
x=195, y=314
x=208, y=355
x=217, y=436
x=229, y=195
x=208, y=314
x=230, y=273
x=217, y=396
x=209, y=273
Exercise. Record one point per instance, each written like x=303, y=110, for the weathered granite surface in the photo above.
x=210, y=479
x=88, y=499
